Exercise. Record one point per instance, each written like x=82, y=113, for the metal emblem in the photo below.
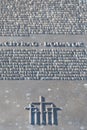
x=42, y=113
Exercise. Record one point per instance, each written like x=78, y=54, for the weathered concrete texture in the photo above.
x=71, y=96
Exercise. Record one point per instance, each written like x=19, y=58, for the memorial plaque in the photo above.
x=43, y=65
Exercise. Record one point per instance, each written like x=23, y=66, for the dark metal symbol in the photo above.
x=41, y=114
